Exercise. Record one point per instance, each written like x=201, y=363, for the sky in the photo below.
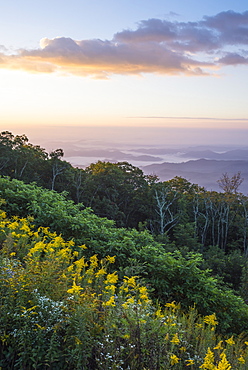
x=177, y=65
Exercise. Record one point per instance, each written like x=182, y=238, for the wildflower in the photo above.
x=94, y=261
x=175, y=339
x=82, y=246
x=174, y=359
x=223, y=364
x=128, y=302
x=183, y=349
x=172, y=305
x=3, y=214
x=110, y=302
x=70, y=268
x=110, y=259
x=111, y=278
x=75, y=288
x=189, y=362
x=241, y=359
x=158, y=313
x=110, y=288
x=80, y=264
x=25, y=228
x=131, y=281
x=211, y=320
x=14, y=225
x=100, y=272
x=219, y=345
x=208, y=363
x=125, y=305
x=126, y=336
x=230, y=341
x=143, y=293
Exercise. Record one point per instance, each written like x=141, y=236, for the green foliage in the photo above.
x=118, y=191
x=170, y=276
x=229, y=267
x=60, y=310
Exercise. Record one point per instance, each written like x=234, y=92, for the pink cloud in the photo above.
x=156, y=46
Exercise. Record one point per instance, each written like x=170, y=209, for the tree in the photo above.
x=166, y=216
x=118, y=191
x=58, y=166
x=230, y=184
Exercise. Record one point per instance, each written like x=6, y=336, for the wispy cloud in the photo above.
x=194, y=118
x=156, y=46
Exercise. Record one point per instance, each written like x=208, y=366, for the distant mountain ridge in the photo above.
x=237, y=154
x=204, y=172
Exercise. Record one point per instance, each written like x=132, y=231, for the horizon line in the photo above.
x=192, y=118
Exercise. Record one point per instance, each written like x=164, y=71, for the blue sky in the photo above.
x=126, y=63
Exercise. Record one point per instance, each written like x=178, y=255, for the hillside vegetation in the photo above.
x=158, y=283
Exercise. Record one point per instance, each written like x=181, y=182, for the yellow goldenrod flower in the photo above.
x=230, y=341
x=241, y=359
x=174, y=359
x=130, y=281
x=110, y=259
x=75, y=288
x=172, y=305
x=70, y=268
x=190, y=362
x=25, y=228
x=100, y=272
x=126, y=336
x=219, y=345
x=82, y=246
x=80, y=264
x=175, y=339
x=94, y=261
x=110, y=288
x=223, y=364
x=143, y=290
x=3, y=214
x=128, y=302
x=13, y=225
x=110, y=302
x=211, y=320
x=158, y=313
x=111, y=278
x=183, y=349
x=208, y=363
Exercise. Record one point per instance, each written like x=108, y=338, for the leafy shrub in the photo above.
x=60, y=310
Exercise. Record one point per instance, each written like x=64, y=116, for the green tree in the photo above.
x=118, y=191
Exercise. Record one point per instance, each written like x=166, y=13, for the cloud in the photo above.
x=233, y=59
x=156, y=46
